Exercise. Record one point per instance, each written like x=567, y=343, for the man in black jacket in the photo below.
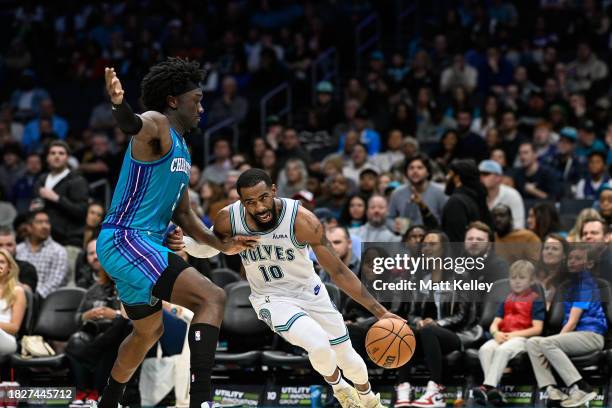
x=64, y=196
x=467, y=200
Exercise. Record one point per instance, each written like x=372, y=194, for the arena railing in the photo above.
x=229, y=123
x=324, y=68
x=264, y=109
x=367, y=37
x=105, y=186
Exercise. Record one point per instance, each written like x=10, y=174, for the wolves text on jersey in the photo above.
x=267, y=253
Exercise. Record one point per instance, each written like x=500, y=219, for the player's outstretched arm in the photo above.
x=191, y=224
x=144, y=127
x=309, y=230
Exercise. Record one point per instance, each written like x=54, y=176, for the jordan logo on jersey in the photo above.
x=179, y=164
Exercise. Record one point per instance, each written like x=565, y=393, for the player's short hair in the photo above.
x=168, y=78
x=251, y=178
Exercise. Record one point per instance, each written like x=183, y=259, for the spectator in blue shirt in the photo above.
x=587, y=141
x=368, y=137
x=34, y=133
x=584, y=327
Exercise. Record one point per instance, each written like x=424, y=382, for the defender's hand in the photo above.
x=239, y=243
x=113, y=86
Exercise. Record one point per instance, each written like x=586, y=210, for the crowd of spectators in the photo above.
x=489, y=111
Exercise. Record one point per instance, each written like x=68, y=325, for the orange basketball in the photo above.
x=390, y=343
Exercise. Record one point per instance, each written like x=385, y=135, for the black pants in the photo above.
x=433, y=342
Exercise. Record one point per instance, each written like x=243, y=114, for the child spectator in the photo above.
x=520, y=316
x=584, y=327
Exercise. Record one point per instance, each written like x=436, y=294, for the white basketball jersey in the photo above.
x=279, y=265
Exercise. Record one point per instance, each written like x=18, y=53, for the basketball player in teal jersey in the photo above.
x=152, y=191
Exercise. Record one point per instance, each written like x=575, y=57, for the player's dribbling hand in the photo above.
x=113, y=86
x=389, y=315
x=239, y=243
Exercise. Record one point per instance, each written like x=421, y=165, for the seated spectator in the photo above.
x=447, y=150
x=605, y=203
x=436, y=316
x=471, y=145
x=552, y=266
x=23, y=188
x=12, y=302
x=467, y=201
x=292, y=178
x=587, y=140
x=413, y=237
x=392, y=154
x=291, y=148
x=520, y=316
x=27, y=273
x=340, y=240
x=229, y=104
x=488, y=118
x=27, y=98
x=97, y=161
x=87, y=273
x=512, y=138
x=460, y=74
x=596, y=234
x=544, y=141
x=213, y=199
x=48, y=257
x=103, y=328
x=8, y=213
x=358, y=162
x=368, y=183
x=338, y=195
x=479, y=239
x=326, y=110
x=584, y=327
x=11, y=170
x=369, y=137
x=543, y=219
x=513, y=244
x=419, y=201
x=586, y=214
x=590, y=186
x=586, y=70
x=354, y=213
x=376, y=230
x=33, y=136
x=217, y=171
x=491, y=175
x=565, y=162
x=535, y=180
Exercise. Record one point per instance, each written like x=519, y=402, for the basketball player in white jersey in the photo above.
x=286, y=292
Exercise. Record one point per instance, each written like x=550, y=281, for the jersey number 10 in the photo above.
x=271, y=272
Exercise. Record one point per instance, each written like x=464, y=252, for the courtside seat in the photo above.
x=285, y=360
x=56, y=322
x=224, y=276
x=597, y=363
x=498, y=293
x=245, y=333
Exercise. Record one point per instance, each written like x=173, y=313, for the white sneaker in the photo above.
x=432, y=398
x=404, y=393
x=348, y=398
x=578, y=398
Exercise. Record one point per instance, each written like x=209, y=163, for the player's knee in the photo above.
x=321, y=351
x=214, y=297
x=149, y=335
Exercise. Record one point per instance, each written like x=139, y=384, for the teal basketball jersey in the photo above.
x=148, y=192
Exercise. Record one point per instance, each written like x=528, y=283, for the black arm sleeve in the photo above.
x=128, y=122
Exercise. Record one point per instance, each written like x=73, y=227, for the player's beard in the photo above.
x=267, y=225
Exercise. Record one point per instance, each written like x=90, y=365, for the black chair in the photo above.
x=55, y=323
x=223, y=276
x=28, y=319
x=243, y=330
x=574, y=206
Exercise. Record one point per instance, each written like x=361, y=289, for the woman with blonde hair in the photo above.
x=12, y=303
x=585, y=214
